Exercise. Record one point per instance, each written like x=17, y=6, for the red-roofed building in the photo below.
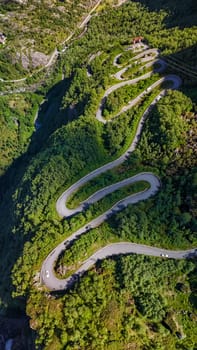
x=137, y=40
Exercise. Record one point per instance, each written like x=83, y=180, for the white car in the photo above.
x=47, y=273
x=158, y=98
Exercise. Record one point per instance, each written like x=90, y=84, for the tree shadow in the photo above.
x=119, y=276
x=183, y=64
x=181, y=13
x=50, y=117
x=77, y=277
x=14, y=230
x=12, y=239
x=193, y=299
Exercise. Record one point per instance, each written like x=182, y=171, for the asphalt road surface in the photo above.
x=53, y=283
x=61, y=202
x=176, y=82
x=162, y=66
x=47, y=275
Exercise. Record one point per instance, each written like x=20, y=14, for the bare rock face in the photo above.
x=38, y=59
x=31, y=59
x=23, y=59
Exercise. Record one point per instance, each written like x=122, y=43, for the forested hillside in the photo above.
x=125, y=302
x=17, y=115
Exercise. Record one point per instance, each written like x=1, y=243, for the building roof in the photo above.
x=138, y=38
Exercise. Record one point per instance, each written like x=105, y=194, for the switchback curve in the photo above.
x=47, y=271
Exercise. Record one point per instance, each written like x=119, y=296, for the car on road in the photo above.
x=47, y=273
x=164, y=255
x=158, y=98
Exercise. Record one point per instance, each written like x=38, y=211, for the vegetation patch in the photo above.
x=139, y=293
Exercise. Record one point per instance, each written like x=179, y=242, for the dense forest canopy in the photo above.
x=144, y=301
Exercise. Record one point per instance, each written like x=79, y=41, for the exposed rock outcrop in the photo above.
x=31, y=59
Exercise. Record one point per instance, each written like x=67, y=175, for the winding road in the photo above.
x=162, y=64
x=47, y=274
